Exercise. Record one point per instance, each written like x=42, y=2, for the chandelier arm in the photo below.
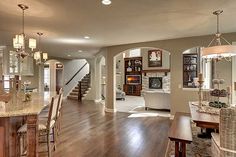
x=212, y=41
x=225, y=40
x=228, y=59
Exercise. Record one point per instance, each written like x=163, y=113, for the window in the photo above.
x=135, y=53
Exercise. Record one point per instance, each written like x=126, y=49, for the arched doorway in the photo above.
x=53, y=75
x=141, y=75
x=101, y=78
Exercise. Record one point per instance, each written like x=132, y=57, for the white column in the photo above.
x=41, y=78
x=110, y=86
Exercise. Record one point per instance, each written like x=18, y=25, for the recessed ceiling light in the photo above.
x=69, y=55
x=106, y=2
x=86, y=37
x=80, y=51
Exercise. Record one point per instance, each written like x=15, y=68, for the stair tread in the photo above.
x=85, y=87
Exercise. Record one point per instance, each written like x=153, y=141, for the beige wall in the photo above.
x=179, y=98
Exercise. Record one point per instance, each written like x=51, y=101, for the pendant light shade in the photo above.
x=219, y=51
x=40, y=56
x=19, y=39
x=215, y=49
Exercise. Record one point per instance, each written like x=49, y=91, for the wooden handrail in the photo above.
x=76, y=73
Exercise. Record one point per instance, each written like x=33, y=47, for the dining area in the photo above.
x=28, y=119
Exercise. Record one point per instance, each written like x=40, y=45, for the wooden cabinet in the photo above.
x=132, y=89
x=133, y=76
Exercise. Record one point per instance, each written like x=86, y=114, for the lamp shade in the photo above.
x=45, y=56
x=221, y=50
x=37, y=55
x=32, y=43
x=18, y=41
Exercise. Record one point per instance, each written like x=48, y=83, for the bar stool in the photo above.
x=44, y=129
x=44, y=115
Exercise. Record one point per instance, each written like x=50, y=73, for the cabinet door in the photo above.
x=27, y=66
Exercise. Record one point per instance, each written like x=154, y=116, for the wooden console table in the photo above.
x=11, y=117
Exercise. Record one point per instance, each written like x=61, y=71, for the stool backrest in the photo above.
x=59, y=103
x=50, y=113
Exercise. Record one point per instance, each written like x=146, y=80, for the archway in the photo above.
x=100, y=78
x=141, y=74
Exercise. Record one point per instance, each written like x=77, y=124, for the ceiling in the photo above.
x=66, y=22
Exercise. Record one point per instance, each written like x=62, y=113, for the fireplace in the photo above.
x=155, y=82
x=133, y=79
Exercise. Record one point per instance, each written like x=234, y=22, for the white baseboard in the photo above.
x=97, y=100
x=110, y=110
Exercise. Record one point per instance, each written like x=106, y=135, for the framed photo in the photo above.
x=155, y=58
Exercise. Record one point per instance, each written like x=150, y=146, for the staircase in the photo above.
x=85, y=87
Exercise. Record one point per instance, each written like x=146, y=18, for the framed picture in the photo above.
x=155, y=58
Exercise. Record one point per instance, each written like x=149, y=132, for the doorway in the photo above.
x=53, y=75
x=141, y=76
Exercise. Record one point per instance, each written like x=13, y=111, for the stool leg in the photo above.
x=183, y=149
x=48, y=144
x=177, y=149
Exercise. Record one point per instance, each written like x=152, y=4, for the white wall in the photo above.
x=70, y=68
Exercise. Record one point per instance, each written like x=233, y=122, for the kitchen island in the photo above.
x=16, y=112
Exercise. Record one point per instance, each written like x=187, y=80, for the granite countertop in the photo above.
x=20, y=108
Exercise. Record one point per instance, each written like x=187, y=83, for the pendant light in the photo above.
x=40, y=56
x=215, y=49
x=20, y=39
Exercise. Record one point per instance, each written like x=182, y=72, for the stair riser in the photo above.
x=85, y=86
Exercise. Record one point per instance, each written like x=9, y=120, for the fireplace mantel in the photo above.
x=155, y=70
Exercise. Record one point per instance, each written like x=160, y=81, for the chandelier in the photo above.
x=20, y=39
x=215, y=49
x=40, y=56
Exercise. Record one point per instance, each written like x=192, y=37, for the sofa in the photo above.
x=120, y=95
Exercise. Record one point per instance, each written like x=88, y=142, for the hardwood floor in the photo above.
x=89, y=132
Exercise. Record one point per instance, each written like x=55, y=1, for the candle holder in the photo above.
x=200, y=93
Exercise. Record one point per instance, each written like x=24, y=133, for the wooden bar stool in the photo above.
x=44, y=129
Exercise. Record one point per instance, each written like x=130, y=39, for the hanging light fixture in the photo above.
x=19, y=40
x=40, y=56
x=218, y=50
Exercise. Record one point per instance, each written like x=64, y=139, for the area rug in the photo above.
x=198, y=148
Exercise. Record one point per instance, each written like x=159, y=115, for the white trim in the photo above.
x=110, y=110
x=97, y=100
x=233, y=77
x=172, y=117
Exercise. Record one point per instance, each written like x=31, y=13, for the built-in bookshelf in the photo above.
x=133, y=76
x=190, y=69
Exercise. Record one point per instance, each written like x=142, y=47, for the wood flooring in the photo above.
x=87, y=131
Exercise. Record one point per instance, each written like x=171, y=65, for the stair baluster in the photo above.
x=79, y=92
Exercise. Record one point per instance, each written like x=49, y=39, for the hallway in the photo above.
x=88, y=132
